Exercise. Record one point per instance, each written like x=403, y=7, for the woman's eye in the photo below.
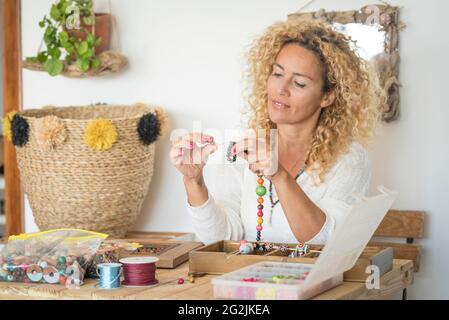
x=277, y=75
x=300, y=85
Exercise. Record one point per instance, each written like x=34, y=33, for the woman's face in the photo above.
x=295, y=86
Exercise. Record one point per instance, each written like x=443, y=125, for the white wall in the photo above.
x=187, y=56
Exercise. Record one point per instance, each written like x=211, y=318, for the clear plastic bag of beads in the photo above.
x=110, y=251
x=58, y=256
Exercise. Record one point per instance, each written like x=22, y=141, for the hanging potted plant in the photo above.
x=77, y=41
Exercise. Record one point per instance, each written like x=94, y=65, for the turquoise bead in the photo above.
x=261, y=191
x=62, y=260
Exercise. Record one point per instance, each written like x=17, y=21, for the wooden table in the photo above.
x=168, y=288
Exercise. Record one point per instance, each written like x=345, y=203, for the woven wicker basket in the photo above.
x=74, y=186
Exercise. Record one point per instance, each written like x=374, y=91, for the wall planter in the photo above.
x=77, y=42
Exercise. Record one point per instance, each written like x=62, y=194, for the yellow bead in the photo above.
x=260, y=221
x=260, y=200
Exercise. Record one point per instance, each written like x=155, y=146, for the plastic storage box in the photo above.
x=271, y=281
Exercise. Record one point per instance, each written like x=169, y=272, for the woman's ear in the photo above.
x=328, y=98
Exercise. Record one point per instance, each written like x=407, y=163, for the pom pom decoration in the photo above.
x=149, y=128
x=7, y=124
x=100, y=134
x=50, y=132
x=163, y=120
x=19, y=131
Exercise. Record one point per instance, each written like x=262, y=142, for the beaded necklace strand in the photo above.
x=261, y=191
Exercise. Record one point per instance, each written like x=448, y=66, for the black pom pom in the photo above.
x=149, y=128
x=19, y=131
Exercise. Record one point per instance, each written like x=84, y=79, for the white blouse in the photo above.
x=230, y=213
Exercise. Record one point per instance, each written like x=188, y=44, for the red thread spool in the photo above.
x=139, y=271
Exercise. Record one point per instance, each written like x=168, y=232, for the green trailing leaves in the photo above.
x=83, y=64
x=55, y=14
x=96, y=63
x=83, y=47
x=54, y=66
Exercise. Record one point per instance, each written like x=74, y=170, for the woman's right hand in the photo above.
x=189, y=158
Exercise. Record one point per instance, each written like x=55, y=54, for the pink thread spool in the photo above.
x=139, y=271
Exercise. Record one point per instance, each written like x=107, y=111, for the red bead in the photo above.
x=181, y=281
x=260, y=214
x=259, y=228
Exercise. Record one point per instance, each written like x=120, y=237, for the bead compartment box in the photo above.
x=270, y=281
x=219, y=257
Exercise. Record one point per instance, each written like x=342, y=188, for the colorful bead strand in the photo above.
x=260, y=191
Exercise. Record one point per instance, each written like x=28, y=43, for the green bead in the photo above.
x=62, y=260
x=261, y=191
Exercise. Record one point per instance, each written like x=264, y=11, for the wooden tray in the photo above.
x=161, y=236
x=219, y=258
x=170, y=253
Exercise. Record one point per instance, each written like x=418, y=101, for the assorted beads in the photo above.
x=57, y=269
x=258, y=247
x=229, y=156
x=260, y=191
x=245, y=247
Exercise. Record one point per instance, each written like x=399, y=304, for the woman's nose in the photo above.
x=283, y=89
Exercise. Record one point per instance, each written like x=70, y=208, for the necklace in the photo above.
x=270, y=190
x=261, y=191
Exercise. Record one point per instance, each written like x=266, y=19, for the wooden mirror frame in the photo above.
x=12, y=101
x=386, y=17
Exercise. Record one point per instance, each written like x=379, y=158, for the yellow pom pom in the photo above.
x=7, y=124
x=100, y=134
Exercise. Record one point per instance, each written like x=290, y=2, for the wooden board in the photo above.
x=12, y=101
x=392, y=282
x=171, y=254
x=402, y=224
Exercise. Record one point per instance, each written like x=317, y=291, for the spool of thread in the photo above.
x=139, y=271
x=109, y=274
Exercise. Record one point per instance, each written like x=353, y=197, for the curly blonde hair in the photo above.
x=355, y=113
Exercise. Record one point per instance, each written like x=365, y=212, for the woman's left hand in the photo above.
x=262, y=161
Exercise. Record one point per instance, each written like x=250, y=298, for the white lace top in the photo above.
x=230, y=213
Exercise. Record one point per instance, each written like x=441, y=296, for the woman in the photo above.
x=308, y=84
